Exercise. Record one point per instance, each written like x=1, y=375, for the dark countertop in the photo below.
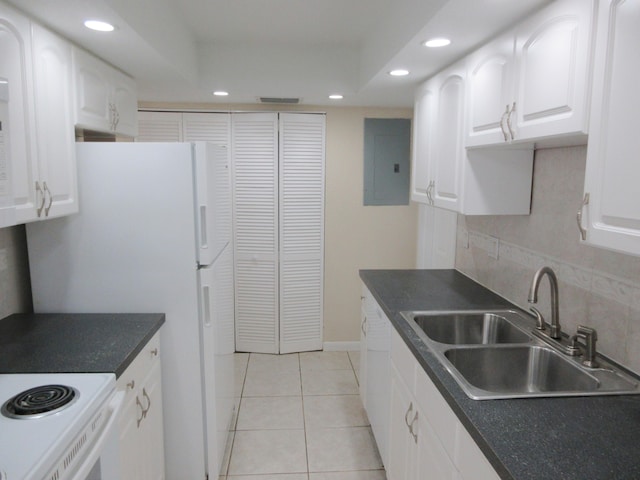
x=543, y=438
x=74, y=343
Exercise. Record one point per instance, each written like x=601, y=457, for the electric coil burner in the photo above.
x=39, y=401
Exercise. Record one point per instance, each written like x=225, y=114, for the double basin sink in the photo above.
x=493, y=355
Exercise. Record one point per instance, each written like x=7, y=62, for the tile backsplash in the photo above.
x=15, y=286
x=597, y=287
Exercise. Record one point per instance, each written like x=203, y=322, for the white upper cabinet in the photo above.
x=423, y=135
x=612, y=214
x=553, y=64
x=106, y=99
x=490, y=92
x=37, y=163
x=54, y=123
x=445, y=174
x=17, y=189
x=448, y=145
x=532, y=83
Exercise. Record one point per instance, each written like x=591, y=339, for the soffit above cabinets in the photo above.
x=182, y=50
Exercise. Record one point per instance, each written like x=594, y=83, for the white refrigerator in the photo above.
x=153, y=235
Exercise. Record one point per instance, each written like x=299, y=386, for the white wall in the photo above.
x=598, y=288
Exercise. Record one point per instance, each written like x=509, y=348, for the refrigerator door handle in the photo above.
x=207, y=306
x=203, y=226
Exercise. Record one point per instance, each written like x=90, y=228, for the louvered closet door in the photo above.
x=209, y=127
x=254, y=145
x=301, y=231
x=159, y=127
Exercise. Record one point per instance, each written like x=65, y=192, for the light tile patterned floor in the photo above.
x=300, y=418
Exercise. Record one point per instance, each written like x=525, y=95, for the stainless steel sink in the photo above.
x=514, y=371
x=493, y=355
x=462, y=328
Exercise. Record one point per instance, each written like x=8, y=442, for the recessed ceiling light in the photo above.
x=220, y=93
x=99, y=26
x=399, y=72
x=336, y=96
x=437, y=42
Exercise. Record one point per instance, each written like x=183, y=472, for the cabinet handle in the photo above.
x=131, y=384
x=145, y=395
x=502, y=119
x=430, y=188
x=509, y=126
x=406, y=415
x=39, y=189
x=413, y=434
x=46, y=190
x=142, y=412
x=154, y=352
x=583, y=231
x=363, y=326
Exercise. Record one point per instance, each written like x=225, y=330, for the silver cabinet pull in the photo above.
x=154, y=352
x=46, y=190
x=363, y=326
x=146, y=396
x=509, y=126
x=41, y=207
x=131, y=384
x=414, y=434
x=142, y=412
x=430, y=188
x=502, y=119
x=406, y=415
x=583, y=231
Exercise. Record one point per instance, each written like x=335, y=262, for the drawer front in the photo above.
x=133, y=376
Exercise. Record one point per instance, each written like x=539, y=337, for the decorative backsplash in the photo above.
x=597, y=288
x=15, y=286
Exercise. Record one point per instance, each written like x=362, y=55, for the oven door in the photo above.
x=102, y=460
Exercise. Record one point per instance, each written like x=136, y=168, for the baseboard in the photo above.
x=341, y=346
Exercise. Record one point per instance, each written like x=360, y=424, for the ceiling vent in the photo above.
x=279, y=100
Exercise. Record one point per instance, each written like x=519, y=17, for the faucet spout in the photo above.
x=554, y=327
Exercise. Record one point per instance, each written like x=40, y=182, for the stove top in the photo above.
x=31, y=444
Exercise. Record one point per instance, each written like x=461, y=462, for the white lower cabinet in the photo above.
x=376, y=377
x=426, y=440
x=141, y=428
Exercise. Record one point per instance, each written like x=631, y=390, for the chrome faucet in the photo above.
x=554, y=328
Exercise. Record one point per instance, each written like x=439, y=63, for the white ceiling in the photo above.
x=182, y=50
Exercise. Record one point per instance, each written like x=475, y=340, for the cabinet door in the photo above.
x=423, y=135
x=210, y=127
x=301, y=231
x=254, y=147
x=159, y=127
x=54, y=122
x=553, y=54
x=124, y=97
x=18, y=129
x=152, y=434
x=93, y=92
x=613, y=212
x=449, y=147
x=362, y=374
x=402, y=442
x=378, y=376
x=432, y=461
x=490, y=85
x=129, y=440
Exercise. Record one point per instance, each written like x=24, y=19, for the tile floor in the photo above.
x=300, y=418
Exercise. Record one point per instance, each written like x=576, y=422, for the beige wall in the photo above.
x=598, y=288
x=356, y=237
